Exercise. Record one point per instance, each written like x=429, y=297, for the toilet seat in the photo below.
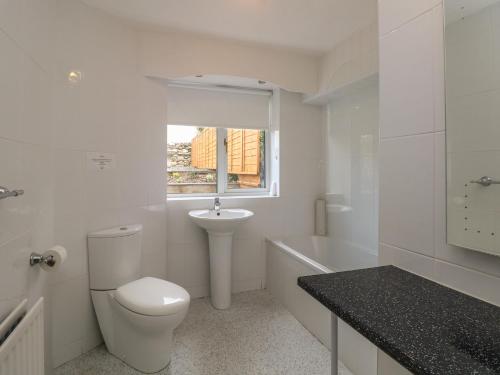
x=153, y=297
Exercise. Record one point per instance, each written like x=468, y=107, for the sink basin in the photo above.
x=225, y=221
x=220, y=226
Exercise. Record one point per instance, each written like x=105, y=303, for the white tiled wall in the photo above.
x=115, y=110
x=394, y=13
x=413, y=157
x=47, y=126
x=287, y=68
x=26, y=150
x=301, y=182
x=351, y=60
x=412, y=148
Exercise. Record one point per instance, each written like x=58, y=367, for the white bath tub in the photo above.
x=291, y=258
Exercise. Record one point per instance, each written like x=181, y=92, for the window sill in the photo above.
x=221, y=196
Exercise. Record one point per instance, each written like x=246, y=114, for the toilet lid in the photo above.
x=151, y=296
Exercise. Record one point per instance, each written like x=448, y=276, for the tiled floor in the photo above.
x=256, y=336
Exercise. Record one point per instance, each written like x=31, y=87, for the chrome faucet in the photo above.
x=217, y=205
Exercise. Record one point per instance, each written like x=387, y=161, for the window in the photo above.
x=194, y=168
x=246, y=158
x=191, y=160
x=205, y=158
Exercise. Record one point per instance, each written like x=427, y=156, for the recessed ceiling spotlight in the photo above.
x=74, y=76
x=262, y=82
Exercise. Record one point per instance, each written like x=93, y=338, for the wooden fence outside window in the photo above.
x=243, y=153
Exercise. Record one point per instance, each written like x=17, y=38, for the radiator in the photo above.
x=23, y=349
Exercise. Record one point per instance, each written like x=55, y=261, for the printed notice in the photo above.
x=100, y=160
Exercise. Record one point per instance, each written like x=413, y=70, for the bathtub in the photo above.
x=290, y=258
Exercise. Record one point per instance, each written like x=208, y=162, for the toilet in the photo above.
x=137, y=316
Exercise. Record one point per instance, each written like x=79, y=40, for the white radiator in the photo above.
x=23, y=350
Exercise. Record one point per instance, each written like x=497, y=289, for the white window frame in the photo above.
x=222, y=183
x=221, y=171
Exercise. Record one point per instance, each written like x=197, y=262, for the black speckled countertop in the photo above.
x=426, y=327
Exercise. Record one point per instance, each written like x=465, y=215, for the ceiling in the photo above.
x=312, y=25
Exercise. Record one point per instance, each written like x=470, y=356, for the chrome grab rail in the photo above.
x=6, y=193
x=485, y=181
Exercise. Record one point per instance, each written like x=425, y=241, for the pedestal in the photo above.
x=220, y=246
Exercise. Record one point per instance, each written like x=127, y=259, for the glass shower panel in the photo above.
x=352, y=171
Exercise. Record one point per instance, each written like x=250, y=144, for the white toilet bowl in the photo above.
x=137, y=316
x=138, y=319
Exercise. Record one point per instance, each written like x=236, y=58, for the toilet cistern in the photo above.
x=137, y=315
x=220, y=225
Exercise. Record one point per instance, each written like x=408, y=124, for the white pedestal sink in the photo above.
x=220, y=226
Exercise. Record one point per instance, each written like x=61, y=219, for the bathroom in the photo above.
x=363, y=110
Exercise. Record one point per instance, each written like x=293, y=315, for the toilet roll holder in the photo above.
x=36, y=258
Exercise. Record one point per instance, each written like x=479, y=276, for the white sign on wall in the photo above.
x=101, y=160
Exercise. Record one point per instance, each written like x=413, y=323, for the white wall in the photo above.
x=353, y=59
x=412, y=157
x=301, y=182
x=412, y=153
x=26, y=152
x=113, y=109
x=48, y=125
x=175, y=55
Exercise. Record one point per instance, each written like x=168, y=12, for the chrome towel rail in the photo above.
x=6, y=193
x=485, y=181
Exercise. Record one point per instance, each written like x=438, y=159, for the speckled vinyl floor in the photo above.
x=256, y=336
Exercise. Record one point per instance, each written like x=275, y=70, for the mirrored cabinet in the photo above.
x=472, y=44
